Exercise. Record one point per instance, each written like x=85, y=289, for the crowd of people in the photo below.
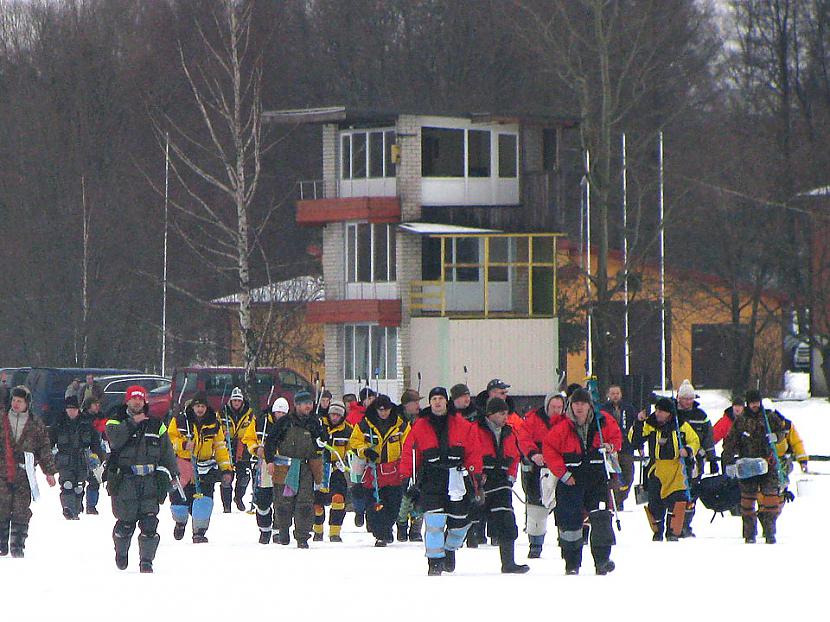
x=442, y=474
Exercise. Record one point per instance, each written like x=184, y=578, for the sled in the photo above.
x=744, y=468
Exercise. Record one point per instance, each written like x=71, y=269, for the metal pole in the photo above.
x=164, y=269
x=589, y=368
x=626, y=344
x=662, y=270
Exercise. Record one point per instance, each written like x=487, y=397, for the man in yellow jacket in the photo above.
x=379, y=439
x=202, y=455
x=669, y=446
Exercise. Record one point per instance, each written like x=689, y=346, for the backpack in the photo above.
x=718, y=493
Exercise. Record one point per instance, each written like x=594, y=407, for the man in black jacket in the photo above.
x=626, y=415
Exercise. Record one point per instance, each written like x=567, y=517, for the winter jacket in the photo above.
x=471, y=413
x=724, y=424
x=386, y=438
x=699, y=420
x=531, y=434
x=664, y=447
x=462, y=444
x=145, y=443
x=99, y=421
x=356, y=413
x=566, y=454
x=339, y=438
x=72, y=438
x=500, y=460
x=235, y=423
x=295, y=436
x=625, y=415
x=258, y=430
x=207, y=434
x=33, y=438
x=748, y=437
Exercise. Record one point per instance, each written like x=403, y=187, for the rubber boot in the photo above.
x=226, y=493
x=602, y=561
x=572, y=554
x=472, y=535
x=121, y=538
x=147, y=547
x=403, y=531
x=415, y=528
x=18, y=532
x=536, y=543
x=508, y=562
x=449, y=561
x=436, y=566
x=199, y=536
x=768, y=527
x=750, y=528
x=4, y=537
x=264, y=537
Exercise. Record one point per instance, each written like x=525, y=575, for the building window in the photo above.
x=370, y=351
x=370, y=253
x=442, y=152
x=367, y=154
x=508, y=155
x=478, y=153
x=499, y=252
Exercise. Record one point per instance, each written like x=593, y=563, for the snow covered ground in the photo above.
x=69, y=574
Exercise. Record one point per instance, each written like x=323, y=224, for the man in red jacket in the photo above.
x=500, y=459
x=531, y=433
x=574, y=452
x=724, y=424
x=447, y=457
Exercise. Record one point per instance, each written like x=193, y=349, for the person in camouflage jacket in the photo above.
x=21, y=432
x=748, y=439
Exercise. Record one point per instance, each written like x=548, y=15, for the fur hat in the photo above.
x=337, y=408
x=753, y=395
x=21, y=391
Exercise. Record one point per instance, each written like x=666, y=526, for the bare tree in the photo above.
x=218, y=166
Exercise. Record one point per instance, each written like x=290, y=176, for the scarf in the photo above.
x=11, y=467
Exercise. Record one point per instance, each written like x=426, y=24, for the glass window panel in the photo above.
x=391, y=353
x=359, y=155
x=542, y=250
x=364, y=253
x=381, y=266
x=508, y=155
x=499, y=253
x=361, y=351
x=430, y=259
x=442, y=152
x=378, y=368
x=393, y=242
x=351, y=253
x=348, y=353
x=466, y=251
x=478, y=153
x=390, y=138
x=346, y=156
x=376, y=154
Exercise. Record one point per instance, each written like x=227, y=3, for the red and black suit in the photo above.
x=500, y=459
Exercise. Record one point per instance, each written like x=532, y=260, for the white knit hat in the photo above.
x=686, y=390
x=236, y=394
x=280, y=405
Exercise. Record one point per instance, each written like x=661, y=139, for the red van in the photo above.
x=218, y=382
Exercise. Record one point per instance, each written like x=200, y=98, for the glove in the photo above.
x=320, y=443
x=371, y=455
x=788, y=496
x=714, y=468
x=227, y=478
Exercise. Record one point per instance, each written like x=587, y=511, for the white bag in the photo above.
x=547, y=484
x=29, y=459
x=456, y=488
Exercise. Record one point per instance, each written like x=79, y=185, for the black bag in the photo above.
x=718, y=493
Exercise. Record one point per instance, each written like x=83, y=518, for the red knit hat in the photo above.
x=136, y=391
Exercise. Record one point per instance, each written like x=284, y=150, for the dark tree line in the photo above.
x=742, y=96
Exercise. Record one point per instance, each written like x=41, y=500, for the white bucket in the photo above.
x=807, y=487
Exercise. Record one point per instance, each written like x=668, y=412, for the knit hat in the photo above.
x=199, y=398
x=280, y=405
x=438, y=391
x=237, y=394
x=581, y=395
x=302, y=396
x=738, y=400
x=325, y=394
x=665, y=404
x=135, y=391
x=366, y=392
x=496, y=405
x=686, y=390
x=753, y=395
x=410, y=395
x=337, y=408
x=71, y=402
x=457, y=390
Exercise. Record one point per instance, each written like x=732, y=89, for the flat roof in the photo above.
x=348, y=114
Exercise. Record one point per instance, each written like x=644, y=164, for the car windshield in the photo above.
x=161, y=389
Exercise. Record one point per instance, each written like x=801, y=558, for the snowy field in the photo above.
x=69, y=573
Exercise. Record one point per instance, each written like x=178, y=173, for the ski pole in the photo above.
x=466, y=381
x=771, y=438
x=681, y=458
x=593, y=387
x=374, y=469
x=419, y=384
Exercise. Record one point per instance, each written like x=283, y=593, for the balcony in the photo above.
x=314, y=208
x=383, y=312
